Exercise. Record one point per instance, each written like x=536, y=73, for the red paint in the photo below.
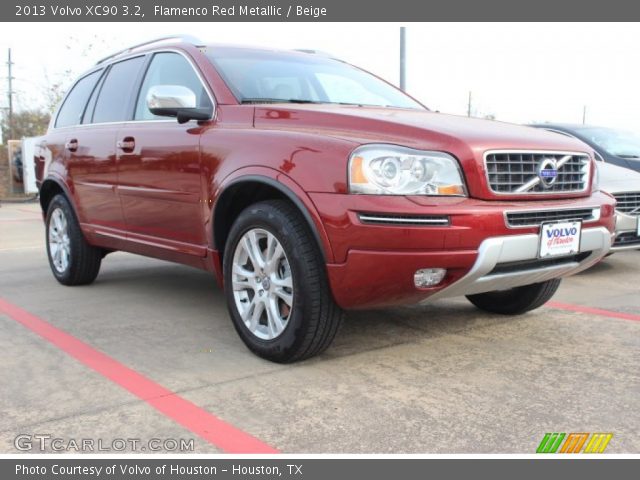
x=199, y=421
x=593, y=311
x=159, y=199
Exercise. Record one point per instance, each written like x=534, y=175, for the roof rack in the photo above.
x=180, y=38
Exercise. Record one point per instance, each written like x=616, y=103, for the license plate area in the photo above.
x=559, y=239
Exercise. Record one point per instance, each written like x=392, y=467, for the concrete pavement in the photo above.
x=445, y=378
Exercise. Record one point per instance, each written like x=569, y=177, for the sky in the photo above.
x=516, y=72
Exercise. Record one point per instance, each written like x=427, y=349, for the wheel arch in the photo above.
x=248, y=189
x=51, y=187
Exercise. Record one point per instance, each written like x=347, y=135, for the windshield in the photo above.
x=273, y=77
x=616, y=142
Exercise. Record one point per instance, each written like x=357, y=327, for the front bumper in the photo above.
x=507, y=262
x=375, y=264
x=627, y=232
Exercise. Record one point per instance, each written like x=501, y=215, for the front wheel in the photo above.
x=516, y=301
x=276, y=284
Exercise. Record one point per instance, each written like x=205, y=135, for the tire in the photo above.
x=516, y=301
x=273, y=328
x=72, y=260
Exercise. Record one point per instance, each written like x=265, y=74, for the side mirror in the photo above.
x=176, y=101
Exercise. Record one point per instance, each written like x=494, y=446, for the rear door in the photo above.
x=63, y=141
x=92, y=148
x=159, y=164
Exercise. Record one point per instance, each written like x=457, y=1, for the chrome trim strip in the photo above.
x=596, y=213
x=512, y=248
x=390, y=220
x=536, y=152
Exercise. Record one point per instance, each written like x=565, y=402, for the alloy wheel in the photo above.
x=59, y=242
x=262, y=284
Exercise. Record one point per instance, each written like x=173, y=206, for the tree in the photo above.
x=56, y=84
x=26, y=123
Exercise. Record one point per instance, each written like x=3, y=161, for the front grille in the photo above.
x=627, y=238
x=519, y=173
x=404, y=220
x=538, y=217
x=524, y=265
x=628, y=203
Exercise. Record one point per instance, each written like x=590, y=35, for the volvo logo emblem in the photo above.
x=548, y=172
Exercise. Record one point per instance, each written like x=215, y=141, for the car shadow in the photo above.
x=361, y=331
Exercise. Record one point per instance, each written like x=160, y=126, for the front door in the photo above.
x=159, y=168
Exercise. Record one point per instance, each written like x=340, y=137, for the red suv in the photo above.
x=308, y=186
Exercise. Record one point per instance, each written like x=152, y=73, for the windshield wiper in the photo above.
x=626, y=155
x=276, y=100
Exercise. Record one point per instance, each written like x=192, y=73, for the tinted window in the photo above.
x=616, y=142
x=268, y=77
x=113, y=101
x=170, y=69
x=75, y=102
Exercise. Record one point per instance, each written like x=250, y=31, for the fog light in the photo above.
x=428, y=277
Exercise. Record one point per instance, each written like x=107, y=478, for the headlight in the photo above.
x=393, y=170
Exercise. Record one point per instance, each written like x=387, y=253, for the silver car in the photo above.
x=624, y=185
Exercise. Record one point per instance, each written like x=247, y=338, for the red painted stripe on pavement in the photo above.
x=593, y=311
x=199, y=421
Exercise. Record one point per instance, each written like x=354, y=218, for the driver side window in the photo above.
x=168, y=68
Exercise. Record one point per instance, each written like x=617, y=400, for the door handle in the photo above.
x=127, y=144
x=71, y=145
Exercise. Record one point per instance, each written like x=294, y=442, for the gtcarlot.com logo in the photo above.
x=46, y=442
x=574, y=442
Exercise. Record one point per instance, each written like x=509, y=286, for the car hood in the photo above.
x=413, y=128
x=465, y=138
x=615, y=179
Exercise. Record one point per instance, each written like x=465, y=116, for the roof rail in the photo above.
x=318, y=53
x=180, y=38
x=311, y=51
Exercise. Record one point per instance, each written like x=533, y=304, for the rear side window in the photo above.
x=113, y=101
x=169, y=68
x=73, y=106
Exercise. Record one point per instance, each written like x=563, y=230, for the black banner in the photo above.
x=317, y=469
x=315, y=10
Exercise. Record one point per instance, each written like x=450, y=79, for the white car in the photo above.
x=624, y=185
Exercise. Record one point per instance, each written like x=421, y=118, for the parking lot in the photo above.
x=148, y=351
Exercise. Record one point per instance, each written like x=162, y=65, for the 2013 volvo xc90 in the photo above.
x=308, y=186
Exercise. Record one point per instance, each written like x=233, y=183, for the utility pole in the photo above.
x=584, y=115
x=469, y=105
x=10, y=95
x=403, y=59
